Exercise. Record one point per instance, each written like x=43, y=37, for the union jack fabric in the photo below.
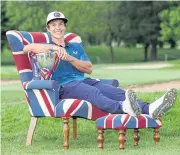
x=123, y=121
x=43, y=95
x=81, y=108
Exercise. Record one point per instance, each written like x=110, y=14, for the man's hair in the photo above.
x=54, y=20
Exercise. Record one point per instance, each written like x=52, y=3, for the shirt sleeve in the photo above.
x=83, y=55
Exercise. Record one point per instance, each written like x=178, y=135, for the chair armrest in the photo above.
x=42, y=95
x=52, y=84
x=41, y=84
x=112, y=82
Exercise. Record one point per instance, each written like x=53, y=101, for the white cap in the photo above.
x=56, y=15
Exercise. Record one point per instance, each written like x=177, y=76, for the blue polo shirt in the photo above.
x=65, y=71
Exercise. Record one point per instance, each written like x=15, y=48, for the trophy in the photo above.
x=44, y=64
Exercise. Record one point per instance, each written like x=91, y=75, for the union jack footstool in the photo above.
x=122, y=122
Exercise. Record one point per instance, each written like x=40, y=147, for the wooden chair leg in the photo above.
x=100, y=138
x=32, y=127
x=66, y=133
x=74, y=128
x=125, y=136
x=121, y=139
x=156, y=136
x=136, y=137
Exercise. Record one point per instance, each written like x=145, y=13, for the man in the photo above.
x=70, y=74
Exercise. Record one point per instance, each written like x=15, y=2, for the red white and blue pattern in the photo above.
x=17, y=41
x=123, y=121
x=43, y=95
x=81, y=108
x=40, y=84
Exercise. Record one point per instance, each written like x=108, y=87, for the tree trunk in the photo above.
x=112, y=52
x=154, y=51
x=146, y=52
x=172, y=42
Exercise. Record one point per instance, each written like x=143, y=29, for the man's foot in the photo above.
x=158, y=108
x=130, y=105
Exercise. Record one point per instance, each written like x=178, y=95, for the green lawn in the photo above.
x=101, y=55
x=124, y=76
x=48, y=137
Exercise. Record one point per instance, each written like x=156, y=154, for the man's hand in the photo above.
x=61, y=52
x=82, y=66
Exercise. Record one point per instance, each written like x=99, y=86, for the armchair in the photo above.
x=43, y=95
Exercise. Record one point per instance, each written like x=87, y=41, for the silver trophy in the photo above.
x=46, y=64
x=46, y=60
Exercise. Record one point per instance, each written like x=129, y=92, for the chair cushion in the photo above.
x=79, y=108
x=40, y=84
x=122, y=121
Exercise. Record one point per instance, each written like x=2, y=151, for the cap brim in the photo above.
x=64, y=19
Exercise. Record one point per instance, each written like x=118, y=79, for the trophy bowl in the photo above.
x=46, y=60
x=47, y=63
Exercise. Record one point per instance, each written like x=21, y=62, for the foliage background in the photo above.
x=151, y=24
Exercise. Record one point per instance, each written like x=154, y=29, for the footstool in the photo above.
x=122, y=122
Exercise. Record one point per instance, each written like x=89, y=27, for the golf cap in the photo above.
x=56, y=15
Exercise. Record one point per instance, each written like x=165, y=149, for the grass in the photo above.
x=126, y=77
x=135, y=76
x=101, y=54
x=48, y=137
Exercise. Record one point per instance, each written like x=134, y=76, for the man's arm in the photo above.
x=81, y=65
x=37, y=48
x=43, y=48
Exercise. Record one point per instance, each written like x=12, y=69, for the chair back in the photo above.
x=18, y=39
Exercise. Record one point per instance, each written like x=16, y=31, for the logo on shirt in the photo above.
x=75, y=52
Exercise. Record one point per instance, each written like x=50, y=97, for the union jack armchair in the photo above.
x=43, y=95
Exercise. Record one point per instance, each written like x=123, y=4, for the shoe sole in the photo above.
x=168, y=102
x=133, y=102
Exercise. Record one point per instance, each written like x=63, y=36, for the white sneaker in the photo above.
x=158, y=108
x=130, y=105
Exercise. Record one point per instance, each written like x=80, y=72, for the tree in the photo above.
x=27, y=15
x=139, y=22
x=31, y=16
x=4, y=26
x=170, y=25
x=109, y=22
x=90, y=20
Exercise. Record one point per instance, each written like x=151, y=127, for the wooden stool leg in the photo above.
x=121, y=139
x=66, y=133
x=136, y=137
x=74, y=128
x=31, y=130
x=156, y=136
x=100, y=138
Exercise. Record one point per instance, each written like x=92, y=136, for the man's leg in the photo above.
x=92, y=94
x=118, y=94
x=156, y=109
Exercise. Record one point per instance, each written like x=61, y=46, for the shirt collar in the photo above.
x=67, y=44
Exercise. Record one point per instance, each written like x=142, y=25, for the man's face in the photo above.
x=57, y=28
